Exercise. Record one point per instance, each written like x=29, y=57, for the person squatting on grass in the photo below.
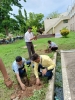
x=20, y=71
x=43, y=66
x=8, y=82
x=28, y=39
x=52, y=46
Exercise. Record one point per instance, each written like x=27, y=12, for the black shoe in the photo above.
x=50, y=77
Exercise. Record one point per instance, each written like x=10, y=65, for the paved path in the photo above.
x=69, y=61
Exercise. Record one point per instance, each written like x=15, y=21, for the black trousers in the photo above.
x=30, y=48
x=54, y=48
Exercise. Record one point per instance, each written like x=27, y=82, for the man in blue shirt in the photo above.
x=20, y=71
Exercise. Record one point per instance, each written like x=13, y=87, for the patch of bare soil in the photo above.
x=19, y=94
x=26, y=46
x=47, y=50
x=41, y=51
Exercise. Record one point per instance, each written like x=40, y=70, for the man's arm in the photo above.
x=51, y=64
x=8, y=82
x=33, y=38
x=36, y=70
x=36, y=74
x=20, y=82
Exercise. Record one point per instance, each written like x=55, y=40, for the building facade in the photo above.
x=54, y=25
x=71, y=14
x=66, y=19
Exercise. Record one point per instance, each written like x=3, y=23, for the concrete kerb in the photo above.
x=66, y=90
x=50, y=91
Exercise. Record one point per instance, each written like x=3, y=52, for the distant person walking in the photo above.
x=28, y=39
x=52, y=46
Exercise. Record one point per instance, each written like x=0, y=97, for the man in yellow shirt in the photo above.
x=42, y=64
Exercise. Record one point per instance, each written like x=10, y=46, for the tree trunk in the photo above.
x=6, y=31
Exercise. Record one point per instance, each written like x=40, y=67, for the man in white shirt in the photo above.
x=28, y=39
x=52, y=46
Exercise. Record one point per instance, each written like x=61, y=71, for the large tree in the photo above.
x=35, y=20
x=13, y=25
x=21, y=19
x=5, y=8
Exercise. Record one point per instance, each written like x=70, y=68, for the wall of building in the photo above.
x=50, y=31
x=71, y=25
x=71, y=13
x=55, y=25
x=49, y=22
x=59, y=27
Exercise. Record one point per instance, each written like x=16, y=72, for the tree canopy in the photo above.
x=5, y=8
x=35, y=20
x=20, y=22
x=53, y=15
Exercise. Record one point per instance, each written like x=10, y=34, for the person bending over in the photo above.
x=43, y=65
x=52, y=46
x=20, y=71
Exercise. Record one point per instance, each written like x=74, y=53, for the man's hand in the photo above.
x=8, y=82
x=20, y=82
x=38, y=81
x=22, y=86
x=44, y=71
x=35, y=37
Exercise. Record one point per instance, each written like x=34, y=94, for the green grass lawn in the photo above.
x=8, y=52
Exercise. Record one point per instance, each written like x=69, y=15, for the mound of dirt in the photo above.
x=47, y=51
x=19, y=94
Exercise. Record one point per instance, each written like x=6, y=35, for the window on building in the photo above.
x=65, y=21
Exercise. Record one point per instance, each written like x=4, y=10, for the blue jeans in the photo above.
x=22, y=72
x=28, y=62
